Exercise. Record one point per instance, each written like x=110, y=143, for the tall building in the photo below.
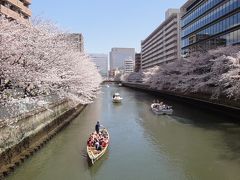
x=128, y=66
x=76, y=41
x=163, y=44
x=207, y=24
x=101, y=61
x=137, y=62
x=119, y=55
x=16, y=9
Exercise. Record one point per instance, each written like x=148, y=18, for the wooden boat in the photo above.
x=94, y=154
x=161, y=109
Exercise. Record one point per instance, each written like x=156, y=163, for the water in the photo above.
x=190, y=144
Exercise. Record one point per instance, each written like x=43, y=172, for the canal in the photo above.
x=190, y=144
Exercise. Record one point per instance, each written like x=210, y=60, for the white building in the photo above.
x=128, y=66
x=119, y=55
x=163, y=44
x=101, y=61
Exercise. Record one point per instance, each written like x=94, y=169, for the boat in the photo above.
x=117, y=98
x=120, y=84
x=161, y=109
x=94, y=154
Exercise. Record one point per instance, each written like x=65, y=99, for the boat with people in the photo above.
x=161, y=108
x=117, y=98
x=97, y=144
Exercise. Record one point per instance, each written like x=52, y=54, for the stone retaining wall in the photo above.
x=36, y=129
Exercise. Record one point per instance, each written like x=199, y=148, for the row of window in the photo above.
x=219, y=27
x=161, y=60
x=224, y=9
x=160, y=34
x=199, y=11
x=160, y=55
x=14, y=8
x=227, y=39
x=159, y=47
x=160, y=39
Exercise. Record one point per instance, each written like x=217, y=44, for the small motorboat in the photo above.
x=161, y=109
x=95, y=154
x=117, y=98
x=120, y=84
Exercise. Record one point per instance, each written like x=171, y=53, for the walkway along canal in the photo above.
x=190, y=144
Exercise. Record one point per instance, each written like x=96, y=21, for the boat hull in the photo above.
x=161, y=111
x=95, y=155
x=117, y=100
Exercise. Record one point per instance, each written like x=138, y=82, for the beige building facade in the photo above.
x=76, y=40
x=16, y=9
x=163, y=44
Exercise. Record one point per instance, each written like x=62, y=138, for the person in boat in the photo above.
x=97, y=127
x=104, y=143
x=98, y=146
x=90, y=141
x=113, y=96
x=155, y=106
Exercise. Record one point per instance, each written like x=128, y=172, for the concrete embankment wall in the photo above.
x=224, y=106
x=27, y=133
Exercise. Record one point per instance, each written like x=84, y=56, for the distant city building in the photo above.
x=129, y=66
x=76, y=40
x=16, y=9
x=101, y=61
x=163, y=44
x=207, y=24
x=138, y=60
x=119, y=55
x=113, y=73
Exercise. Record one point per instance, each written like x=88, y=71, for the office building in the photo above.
x=101, y=61
x=16, y=9
x=128, y=66
x=137, y=62
x=163, y=44
x=119, y=55
x=76, y=40
x=207, y=24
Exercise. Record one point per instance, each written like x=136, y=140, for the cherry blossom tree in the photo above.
x=39, y=59
x=216, y=73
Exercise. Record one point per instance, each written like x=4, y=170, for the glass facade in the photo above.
x=220, y=11
x=191, y=15
x=214, y=18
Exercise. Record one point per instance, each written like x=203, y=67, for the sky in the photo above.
x=106, y=23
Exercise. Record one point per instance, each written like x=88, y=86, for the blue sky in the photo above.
x=106, y=23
